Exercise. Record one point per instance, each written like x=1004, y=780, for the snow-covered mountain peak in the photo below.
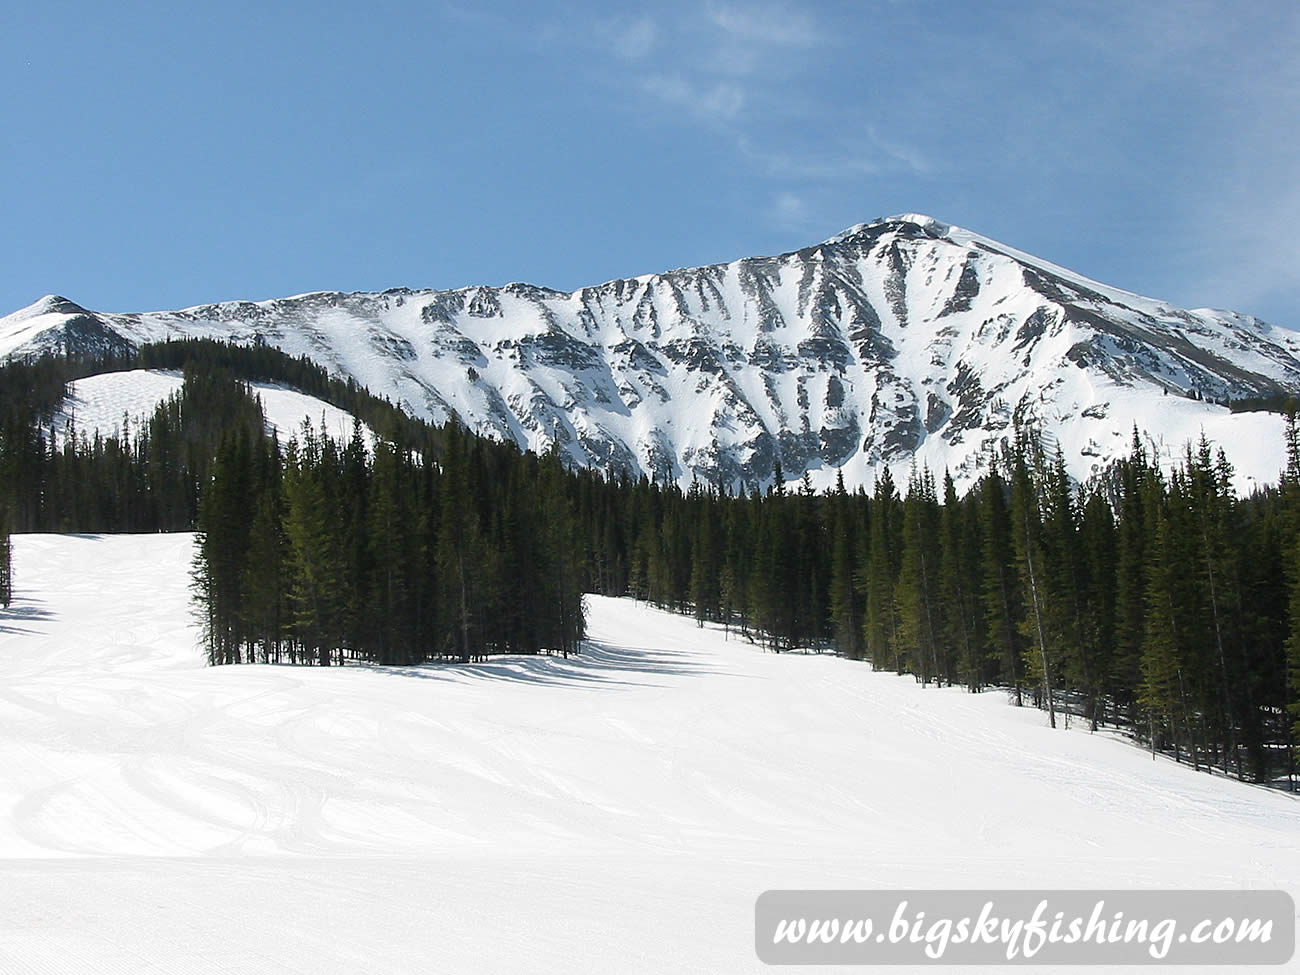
x=921, y=221
x=48, y=305
x=903, y=339
x=913, y=222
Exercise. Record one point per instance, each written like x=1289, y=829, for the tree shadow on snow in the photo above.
x=20, y=612
x=597, y=664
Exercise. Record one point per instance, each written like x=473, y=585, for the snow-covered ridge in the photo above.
x=903, y=339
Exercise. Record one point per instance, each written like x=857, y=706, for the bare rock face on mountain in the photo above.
x=896, y=341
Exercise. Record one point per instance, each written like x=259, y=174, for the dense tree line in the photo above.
x=384, y=556
x=1154, y=600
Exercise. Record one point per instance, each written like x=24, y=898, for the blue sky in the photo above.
x=164, y=155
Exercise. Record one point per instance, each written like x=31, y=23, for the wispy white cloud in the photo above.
x=791, y=212
x=900, y=154
x=633, y=39
x=710, y=101
x=747, y=70
x=1173, y=119
x=755, y=47
x=775, y=25
x=867, y=154
x=748, y=38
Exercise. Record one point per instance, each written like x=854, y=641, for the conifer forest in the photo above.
x=1152, y=600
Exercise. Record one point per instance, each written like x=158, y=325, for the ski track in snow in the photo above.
x=615, y=812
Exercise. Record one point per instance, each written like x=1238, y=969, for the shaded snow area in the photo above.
x=107, y=401
x=618, y=812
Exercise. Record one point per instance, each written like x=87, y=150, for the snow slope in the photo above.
x=618, y=812
x=100, y=403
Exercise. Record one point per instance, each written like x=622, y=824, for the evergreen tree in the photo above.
x=393, y=557
x=465, y=568
x=264, y=613
x=352, y=504
x=222, y=550
x=847, y=542
x=316, y=551
x=1211, y=516
x=1293, y=646
x=564, y=619
x=1138, y=491
x=958, y=572
x=706, y=555
x=917, y=588
x=882, y=624
x=1003, y=598
x=771, y=595
x=1065, y=584
x=1099, y=557
x=1162, y=694
x=1026, y=531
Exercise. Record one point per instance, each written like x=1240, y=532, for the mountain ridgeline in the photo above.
x=896, y=341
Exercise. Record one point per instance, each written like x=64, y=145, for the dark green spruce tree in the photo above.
x=881, y=576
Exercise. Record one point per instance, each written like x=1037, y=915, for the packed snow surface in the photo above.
x=616, y=812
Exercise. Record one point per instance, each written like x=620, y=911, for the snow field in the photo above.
x=616, y=812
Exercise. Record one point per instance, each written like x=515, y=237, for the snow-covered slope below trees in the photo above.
x=615, y=812
x=106, y=402
x=900, y=339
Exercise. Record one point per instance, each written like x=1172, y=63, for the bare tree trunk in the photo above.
x=1038, y=620
x=1223, y=660
x=929, y=622
x=464, y=608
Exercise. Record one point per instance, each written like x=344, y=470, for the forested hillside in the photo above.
x=1156, y=601
x=321, y=551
